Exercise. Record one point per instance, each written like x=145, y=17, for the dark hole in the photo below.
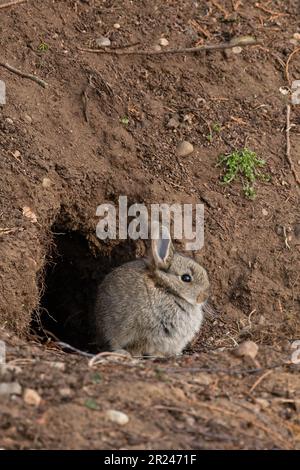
x=69, y=290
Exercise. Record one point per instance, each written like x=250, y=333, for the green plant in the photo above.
x=246, y=165
x=43, y=47
x=96, y=379
x=91, y=404
x=216, y=127
x=124, y=120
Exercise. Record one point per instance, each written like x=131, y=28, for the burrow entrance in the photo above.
x=70, y=281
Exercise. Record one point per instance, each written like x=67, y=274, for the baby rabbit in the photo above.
x=152, y=306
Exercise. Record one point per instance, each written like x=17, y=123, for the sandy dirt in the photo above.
x=101, y=128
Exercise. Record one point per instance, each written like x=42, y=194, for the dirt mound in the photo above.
x=102, y=128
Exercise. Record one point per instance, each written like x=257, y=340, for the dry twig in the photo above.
x=288, y=62
x=6, y=231
x=288, y=143
x=24, y=75
x=12, y=3
x=270, y=12
x=285, y=238
x=259, y=380
x=220, y=8
x=184, y=50
x=84, y=99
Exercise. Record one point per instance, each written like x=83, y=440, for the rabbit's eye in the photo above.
x=186, y=278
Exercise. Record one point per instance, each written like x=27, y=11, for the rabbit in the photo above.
x=152, y=306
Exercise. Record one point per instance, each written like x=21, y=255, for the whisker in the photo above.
x=210, y=311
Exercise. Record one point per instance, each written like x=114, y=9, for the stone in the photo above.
x=184, y=148
x=28, y=119
x=102, y=41
x=31, y=397
x=65, y=392
x=17, y=154
x=248, y=349
x=46, y=183
x=262, y=402
x=163, y=42
x=10, y=388
x=58, y=365
x=117, y=417
x=173, y=122
x=236, y=50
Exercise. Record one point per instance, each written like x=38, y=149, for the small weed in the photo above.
x=246, y=165
x=96, y=379
x=91, y=404
x=124, y=120
x=43, y=47
x=216, y=127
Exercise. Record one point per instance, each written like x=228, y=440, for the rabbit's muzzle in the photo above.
x=203, y=296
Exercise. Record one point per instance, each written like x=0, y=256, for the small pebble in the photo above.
x=184, y=148
x=262, y=402
x=247, y=348
x=284, y=90
x=279, y=230
x=265, y=212
x=102, y=41
x=237, y=50
x=11, y=388
x=203, y=378
x=46, y=183
x=9, y=121
x=117, y=417
x=65, y=392
x=188, y=118
x=163, y=42
x=28, y=118
x=58, y=365
x=262, y=320
x=296, y=36
x=157, y=47
x=190, y=421
x=117, y=26
x=17, y=154
x=31, y=397
x=173, y=123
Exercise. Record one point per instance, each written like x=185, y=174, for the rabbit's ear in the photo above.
x=162, y=249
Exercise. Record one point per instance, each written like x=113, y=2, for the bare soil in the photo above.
x=67, y=148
